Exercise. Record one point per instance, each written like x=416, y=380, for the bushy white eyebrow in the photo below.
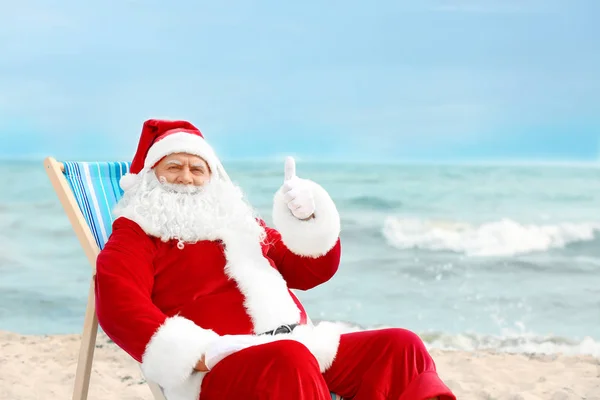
x=176, y=162
x=198, y=165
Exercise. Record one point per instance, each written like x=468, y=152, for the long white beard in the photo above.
x=189, y=213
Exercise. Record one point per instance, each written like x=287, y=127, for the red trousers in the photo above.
x=389, y=364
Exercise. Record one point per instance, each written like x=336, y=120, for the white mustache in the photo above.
x=179, y=188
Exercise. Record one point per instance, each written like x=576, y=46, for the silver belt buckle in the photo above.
x=282, y=329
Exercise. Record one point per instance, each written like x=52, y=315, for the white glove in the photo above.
x=226, y=345
x=297, y=193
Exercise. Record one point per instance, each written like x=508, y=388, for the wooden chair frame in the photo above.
x=55, y=171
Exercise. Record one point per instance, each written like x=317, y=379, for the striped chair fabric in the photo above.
x=95, y=186
x=96, y=189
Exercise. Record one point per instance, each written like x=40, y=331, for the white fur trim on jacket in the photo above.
x=172, y=354
x=321, y=340
x=313, y=237
x=266, y=296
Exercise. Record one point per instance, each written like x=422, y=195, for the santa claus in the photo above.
x=194, y=286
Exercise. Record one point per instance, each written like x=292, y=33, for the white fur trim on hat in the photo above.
x=182, y=142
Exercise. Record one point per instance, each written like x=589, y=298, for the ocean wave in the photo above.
x=504, y=237
x=516, y=341
x=374, y=202
x=519, y=343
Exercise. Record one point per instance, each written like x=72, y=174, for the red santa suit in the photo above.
x=165, y=302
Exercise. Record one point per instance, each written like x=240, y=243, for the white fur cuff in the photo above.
x=174, y=351
x=314, y=237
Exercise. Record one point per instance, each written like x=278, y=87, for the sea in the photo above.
x=470, y=257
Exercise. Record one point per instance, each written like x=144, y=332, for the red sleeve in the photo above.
x=300, y=271
x=124, y=281
x=168, y=348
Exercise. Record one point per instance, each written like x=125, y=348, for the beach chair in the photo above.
x=88, y=191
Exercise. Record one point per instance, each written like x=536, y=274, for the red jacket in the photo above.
x=140, y=281
x=164, y=305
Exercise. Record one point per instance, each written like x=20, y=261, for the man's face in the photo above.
x=183, y=169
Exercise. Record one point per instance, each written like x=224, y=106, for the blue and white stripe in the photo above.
x=96, y=189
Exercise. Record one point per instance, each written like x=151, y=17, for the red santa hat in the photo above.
x=160, y=138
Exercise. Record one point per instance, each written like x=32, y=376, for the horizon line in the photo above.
x=322, y=160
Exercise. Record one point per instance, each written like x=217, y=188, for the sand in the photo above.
x=43, y=367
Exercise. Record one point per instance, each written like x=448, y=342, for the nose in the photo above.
x=185, y=177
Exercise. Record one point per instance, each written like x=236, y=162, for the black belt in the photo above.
x=281, y=329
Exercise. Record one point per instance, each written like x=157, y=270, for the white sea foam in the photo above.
x=520, y=343
x=504, y=237
x=516, y=341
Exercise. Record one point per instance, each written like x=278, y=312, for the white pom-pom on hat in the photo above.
x=128, y=181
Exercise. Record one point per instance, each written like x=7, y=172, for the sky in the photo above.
x=426, y=80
